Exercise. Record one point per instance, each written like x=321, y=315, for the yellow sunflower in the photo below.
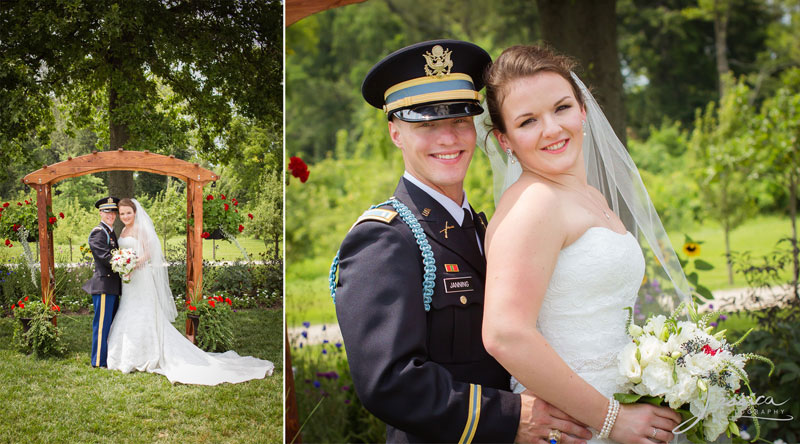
x=691, y=249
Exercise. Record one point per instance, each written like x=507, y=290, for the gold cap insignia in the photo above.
x=437, y=61
x=110, y=200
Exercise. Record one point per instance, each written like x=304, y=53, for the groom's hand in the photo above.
x=537, y=419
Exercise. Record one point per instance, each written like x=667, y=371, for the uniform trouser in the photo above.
x=105, y=307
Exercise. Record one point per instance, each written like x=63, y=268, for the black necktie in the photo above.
x=469, y=230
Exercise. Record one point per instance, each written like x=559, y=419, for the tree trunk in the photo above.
x=793, y=217
x=565, y=27
x=721, y=14
x=120, y=183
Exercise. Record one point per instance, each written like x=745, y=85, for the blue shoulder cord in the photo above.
x=428, y=261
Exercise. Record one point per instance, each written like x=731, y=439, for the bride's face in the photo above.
x=544, y=124
x=127, y=215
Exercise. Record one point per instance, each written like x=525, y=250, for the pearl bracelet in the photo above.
x=611, y=418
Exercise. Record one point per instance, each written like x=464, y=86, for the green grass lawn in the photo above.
x=220, y=250
x=64, y=400
x=308, y=296
x=759, y=236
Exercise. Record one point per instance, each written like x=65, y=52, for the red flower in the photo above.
x=212, y=303
x=14, y=306
x=5, y=205
x=298, y=168
x=192, y=308
x=222, y=196
x=15, y=227
x=205, y=235
x=249, y=215
x=8, y=242
x=235, y=211
x=19, y=204
x=228, y=301
x=226, y=207
x=55, y=308
x=26, y=299
x=128, y=261
x=61, y=215
x=21, y=305
x=52, y=220
x=709, y=351
x=235, y=202
x=241, y=228
x=10, y=245
x=210, y=197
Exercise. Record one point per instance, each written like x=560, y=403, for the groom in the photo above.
x=411, y=273
x=105, y=285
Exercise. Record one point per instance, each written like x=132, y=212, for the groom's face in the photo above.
x=437, y=152
x=108, y=217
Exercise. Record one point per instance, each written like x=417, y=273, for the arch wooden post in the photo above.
x=44, y=205
x=120, y=160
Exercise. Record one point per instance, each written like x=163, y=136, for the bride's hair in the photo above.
x=125, y=202
x=518, y=62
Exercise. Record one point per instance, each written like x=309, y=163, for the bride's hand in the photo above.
x=644, y=424
x=538, y=418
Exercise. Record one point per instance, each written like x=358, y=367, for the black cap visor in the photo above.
x=438, y=111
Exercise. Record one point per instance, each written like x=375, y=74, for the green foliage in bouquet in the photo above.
x=215, y=333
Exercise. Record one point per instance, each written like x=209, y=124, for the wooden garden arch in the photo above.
x=193, y=174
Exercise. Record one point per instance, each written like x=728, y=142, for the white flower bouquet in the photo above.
x=123, y=261
x=694, y=371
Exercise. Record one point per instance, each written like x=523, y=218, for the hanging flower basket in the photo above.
x=17, y=217
x=221, y=214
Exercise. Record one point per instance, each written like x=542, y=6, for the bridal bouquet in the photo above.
x=122, y=262
x=685, y=365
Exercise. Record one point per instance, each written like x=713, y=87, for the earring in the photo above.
x=584, y=127
x=510, y=155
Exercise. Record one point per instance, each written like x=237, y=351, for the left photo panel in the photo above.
x=141, y=221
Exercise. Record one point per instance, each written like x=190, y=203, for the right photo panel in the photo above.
x=542, y=221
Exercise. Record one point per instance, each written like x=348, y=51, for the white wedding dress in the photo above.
x=583, y=314
x=143, y=339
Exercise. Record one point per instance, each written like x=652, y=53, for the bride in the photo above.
x=142, y=337
x=561, y=264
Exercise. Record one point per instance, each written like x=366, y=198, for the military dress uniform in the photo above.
x=416, y=353
x=105, y=285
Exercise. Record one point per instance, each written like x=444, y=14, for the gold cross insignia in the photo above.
x=426, y=212
x=446, y=227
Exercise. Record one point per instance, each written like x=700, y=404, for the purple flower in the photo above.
x=648, y=298
x=301, y=345
x=347, y=401
x=345, y=388
x=713, y=324
x=325, y=341
x=328, y=375
x=711, y=306
x=338, y=345
x=316, y=384
x=723, y=318
x=305, y=334
x=656, y=285
x=324, y=352
x=306, y=324
x=324, y=327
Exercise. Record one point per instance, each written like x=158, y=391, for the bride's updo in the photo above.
x=125, y=202
x=523, y=61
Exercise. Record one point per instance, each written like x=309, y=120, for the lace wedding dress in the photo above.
x=583, y=313
x=143, y=339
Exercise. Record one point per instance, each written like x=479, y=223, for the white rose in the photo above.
x=682, y=392
x=657, y=377
x=651, y=349
x=629, y=365
x=655, y=324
